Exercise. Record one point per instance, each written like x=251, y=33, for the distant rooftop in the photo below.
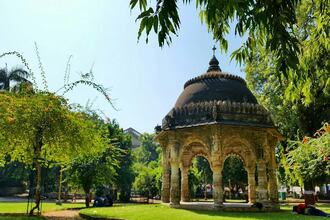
x=135, y=135
x=132, y=131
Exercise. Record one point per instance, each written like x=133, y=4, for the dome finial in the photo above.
x=214, y=63
x=214, y=49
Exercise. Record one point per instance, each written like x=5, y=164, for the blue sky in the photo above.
x=145, y=80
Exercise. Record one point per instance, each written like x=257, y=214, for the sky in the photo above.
x=145, y=80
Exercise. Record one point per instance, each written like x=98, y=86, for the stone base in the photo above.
x=217, y=206
x=176, y=206
x=226, y=207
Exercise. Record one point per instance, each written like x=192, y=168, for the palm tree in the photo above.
x=17, y=75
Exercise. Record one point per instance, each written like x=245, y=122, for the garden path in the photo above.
x=63, y=215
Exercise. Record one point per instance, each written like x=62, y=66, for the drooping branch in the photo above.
x=104, y=91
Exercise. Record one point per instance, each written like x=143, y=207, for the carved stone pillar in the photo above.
x=175, y=181
x=262, y=192
x=184, y=185
x=272, y=186
x=251, y=184
x=165, y=178
x=175, y=185
x=217, y=187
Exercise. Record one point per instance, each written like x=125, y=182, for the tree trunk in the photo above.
x=87, y=198
x=309, y=193
x=38, y=188
x=6, y=85
x=37, y=154
x=59, y=202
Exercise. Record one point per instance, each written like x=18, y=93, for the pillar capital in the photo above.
x=217, y=168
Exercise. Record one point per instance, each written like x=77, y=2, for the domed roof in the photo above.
x=216, y=97
x=215, y=85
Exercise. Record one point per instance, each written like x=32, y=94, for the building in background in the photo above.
x=135, y=135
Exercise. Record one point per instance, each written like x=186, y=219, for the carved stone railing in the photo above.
x=217, y=111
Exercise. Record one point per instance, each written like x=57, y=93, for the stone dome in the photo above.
x=216, y=97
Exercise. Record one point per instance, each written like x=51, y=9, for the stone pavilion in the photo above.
x=217, y=116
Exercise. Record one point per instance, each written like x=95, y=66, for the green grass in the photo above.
x=162, y=212
x=20, y=207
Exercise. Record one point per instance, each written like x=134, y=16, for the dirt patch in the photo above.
x=63, y=215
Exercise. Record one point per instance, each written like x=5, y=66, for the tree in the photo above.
x=147, y=180
x=14, y=174
x=299, y=104
x=234, y=174
x=147, y=167
x=149, y=149
x=271, y=22
x=94, y=170
x=307, y=161
x=200, y=174
x=17, y=75
x=37, y=127
x=40, y=129
x=124, y=171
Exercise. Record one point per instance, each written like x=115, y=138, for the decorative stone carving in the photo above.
x=212, y=112
x=217, y=116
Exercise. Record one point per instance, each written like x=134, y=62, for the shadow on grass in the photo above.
x=278, y=215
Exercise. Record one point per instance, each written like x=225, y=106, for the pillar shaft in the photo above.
x=217, y=187
x=251, y=185
x=166, y=181
x=175, y=181
x=175, y=185
x=262, y=192
x=272, y=186
x=184, y=185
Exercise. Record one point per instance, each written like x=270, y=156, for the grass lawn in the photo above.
x=20, y=207
x=162, y=212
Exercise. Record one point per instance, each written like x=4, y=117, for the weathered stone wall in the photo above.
x=255, y=146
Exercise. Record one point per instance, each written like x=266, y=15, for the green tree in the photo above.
x=13, y=174
x=234, y=174
x=94, y=170
x=41, y=128
x=149, y=149
x=17, y=75
x=300, y=103
x=307, y=161
x=147, y=181
x=124, y=171
x=200, y=174
x=147, y=167
x=271, y=22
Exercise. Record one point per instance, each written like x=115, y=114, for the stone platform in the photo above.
x=227, y=207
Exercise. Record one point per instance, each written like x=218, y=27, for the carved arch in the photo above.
x=192, y=150
x=239, y=146
x=235, y=155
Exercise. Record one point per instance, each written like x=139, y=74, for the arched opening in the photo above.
x=200, y=179
x=235, y=180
